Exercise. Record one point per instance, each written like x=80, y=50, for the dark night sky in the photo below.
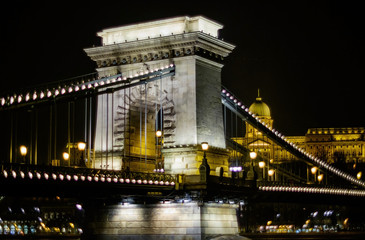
x=307, y=57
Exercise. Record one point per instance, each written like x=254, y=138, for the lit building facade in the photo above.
x=345, y=145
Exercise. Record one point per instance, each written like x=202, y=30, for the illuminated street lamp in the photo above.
x=205, y=146
x=158, y=133
x=159, y=167
x=271, y=173
x=81, y=146
x=359, y=175
x=262, y=164
x=66, y=156
x=204, y=168
x=320, y=177
x=253, y=155
x=23, y=152
x=314, y=170
x=251, y=174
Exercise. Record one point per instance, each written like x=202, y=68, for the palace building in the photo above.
x=345, y=144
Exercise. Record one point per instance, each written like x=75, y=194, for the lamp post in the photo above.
x=253, y=155
x=23, y=151
x=271, y=173
x=159, y=167
x=81, y=146
x=314, y=171
x=66, y=157
x=204, y=168
x=262, y=166
x=251, y=175
x=158, y=133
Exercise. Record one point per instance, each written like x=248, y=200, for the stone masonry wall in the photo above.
x=182, y=221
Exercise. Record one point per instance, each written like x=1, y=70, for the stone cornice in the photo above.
x=189, y=42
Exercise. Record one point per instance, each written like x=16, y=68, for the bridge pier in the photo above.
x=164, y=220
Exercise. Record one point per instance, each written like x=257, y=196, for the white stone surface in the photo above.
x=190, y=99
x=164, y=27
x=175, y=220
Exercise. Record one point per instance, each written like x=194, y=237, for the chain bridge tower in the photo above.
x=186, y=107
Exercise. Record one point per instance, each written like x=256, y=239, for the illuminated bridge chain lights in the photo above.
x=86, y=175
x=317, y=190
x=67, y=87
x=236, y=105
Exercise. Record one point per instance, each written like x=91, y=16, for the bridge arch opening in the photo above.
x=138, y=113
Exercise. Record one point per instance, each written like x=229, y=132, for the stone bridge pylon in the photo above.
x=127, y=119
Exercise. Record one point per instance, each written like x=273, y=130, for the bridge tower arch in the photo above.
x=193, y=45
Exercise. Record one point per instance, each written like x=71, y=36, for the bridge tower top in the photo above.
x=159, y=28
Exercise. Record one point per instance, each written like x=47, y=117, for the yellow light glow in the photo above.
x=262, y=164
x=253, y=155
x=71, y=225
x=205, y=146
x=158, y=133
x=308, y=221
x=23, y=150
x=271, y=172
x=314, y=170
x=359, y=175
x=81, y=146
x=346, y=221
x=66, y=156
x=269, y=223
x=271, y=160
x=320, y=177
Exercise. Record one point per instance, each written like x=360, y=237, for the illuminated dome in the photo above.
x=260, y=108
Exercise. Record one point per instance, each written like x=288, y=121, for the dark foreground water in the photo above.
x=307, y=236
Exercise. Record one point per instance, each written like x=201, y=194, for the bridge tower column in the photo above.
x=191, y=102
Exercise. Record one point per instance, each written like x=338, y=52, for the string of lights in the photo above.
x=88, y=175
x=318, y=190
x=53, y=92
x=230, y=100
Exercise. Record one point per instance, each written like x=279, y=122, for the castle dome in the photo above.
x=259, y=108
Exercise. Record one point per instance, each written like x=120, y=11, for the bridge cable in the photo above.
x=145, y=127
x=112, y=137
x=129, y=128
x=225, y=121
x=11, y=136
x=160, y=141
x=107, y=133
x=101, y=135
x=50, y=135
x=69, y=130
x=36, y=138
x=140, y=129
x=236, y=153
x=91, y=144
x=156, y=126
